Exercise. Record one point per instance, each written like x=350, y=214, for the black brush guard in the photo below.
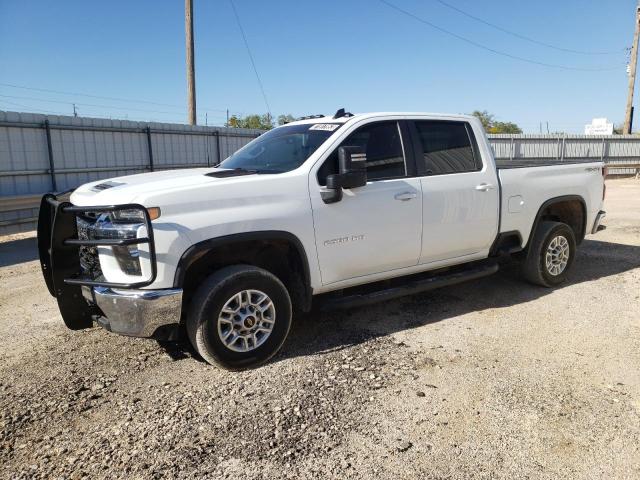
x=59, y=250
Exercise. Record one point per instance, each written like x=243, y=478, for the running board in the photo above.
x=410, y=288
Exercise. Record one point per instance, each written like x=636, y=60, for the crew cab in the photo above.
x=337, y=211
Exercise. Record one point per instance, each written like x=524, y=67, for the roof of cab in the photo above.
x=361, y=116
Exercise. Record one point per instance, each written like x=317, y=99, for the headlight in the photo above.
x=134, y=215
x=128, y=257
x=117, y=225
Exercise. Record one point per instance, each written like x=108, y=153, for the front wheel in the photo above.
x=239, y=317
x=550, y=254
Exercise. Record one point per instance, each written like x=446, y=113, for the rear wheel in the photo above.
x=550, y=255
x=239, y=317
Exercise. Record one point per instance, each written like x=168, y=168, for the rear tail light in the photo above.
x=605, y=172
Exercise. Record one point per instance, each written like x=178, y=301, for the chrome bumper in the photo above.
x=596, y=225
x=136, y=313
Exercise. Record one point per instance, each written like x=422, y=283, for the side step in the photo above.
x=409, y=288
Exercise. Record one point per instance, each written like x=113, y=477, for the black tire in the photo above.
x=535, y=268
x=211, y=297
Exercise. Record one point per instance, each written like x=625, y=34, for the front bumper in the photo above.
x=137, y=313
x=597, y=224
x=119, y=307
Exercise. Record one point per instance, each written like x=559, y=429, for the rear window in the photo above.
x=446, y=148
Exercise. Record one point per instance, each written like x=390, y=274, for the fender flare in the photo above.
x=552, y=201
x=198, y=250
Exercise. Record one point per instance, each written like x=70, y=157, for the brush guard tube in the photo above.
x=58, y=248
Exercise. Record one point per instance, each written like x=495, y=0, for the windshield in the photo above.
x=281, y=149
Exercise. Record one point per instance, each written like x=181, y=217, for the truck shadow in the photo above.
x=18, y=251
x=320, y=332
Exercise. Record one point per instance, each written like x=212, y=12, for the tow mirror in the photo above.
x=353, y=173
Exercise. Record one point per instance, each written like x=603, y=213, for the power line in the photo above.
x=31, y=108
x=492, y=50
x=117, y=99
x=528, y=39
x=112, y=107
x=253, y=64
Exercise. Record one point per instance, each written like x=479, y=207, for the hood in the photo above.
x=130, y=188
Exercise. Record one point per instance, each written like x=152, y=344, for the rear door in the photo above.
x=377, y=227
x=460, y=192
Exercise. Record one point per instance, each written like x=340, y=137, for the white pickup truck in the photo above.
x=339, y=210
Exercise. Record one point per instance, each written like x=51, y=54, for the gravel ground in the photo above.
x=491, y=379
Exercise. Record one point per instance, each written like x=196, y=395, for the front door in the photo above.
x=374, y=228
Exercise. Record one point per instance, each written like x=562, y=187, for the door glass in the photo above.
x=446, y=148
x=383, y=146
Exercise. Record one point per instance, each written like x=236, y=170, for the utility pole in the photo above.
x=628, y=118
x=191, y=76
x=75, y=110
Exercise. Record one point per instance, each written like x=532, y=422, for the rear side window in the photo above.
x=383, y=145
x=446, y=148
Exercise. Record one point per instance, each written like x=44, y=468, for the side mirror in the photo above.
x=353, y=173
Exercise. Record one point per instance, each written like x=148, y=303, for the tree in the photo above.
x=262, y=122
x=491, y=125
x=485, y=118
x=505, y=127
x=282, y=119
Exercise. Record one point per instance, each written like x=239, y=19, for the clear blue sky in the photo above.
x=314, y=57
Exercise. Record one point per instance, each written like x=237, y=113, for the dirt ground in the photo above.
x=494, y=378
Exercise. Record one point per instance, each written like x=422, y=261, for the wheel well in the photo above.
x=570, y=211
x=282, y=257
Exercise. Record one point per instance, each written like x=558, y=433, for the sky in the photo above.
x=317, y=56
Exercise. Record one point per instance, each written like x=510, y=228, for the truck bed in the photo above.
x=527, y=184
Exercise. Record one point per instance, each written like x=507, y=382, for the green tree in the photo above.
x=505, y=127
x=282, y=119
x=485, y=118
x=262, y=122
x=491, y=125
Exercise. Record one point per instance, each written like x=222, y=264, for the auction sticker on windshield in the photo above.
x=328, y=127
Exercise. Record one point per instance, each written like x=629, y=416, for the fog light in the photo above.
x=128, y=258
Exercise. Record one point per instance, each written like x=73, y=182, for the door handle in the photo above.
x=484, y=187
x=404, y=196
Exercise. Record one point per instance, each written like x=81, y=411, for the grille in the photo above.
x=89, y=261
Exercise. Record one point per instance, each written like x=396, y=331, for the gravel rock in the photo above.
x=513, y=399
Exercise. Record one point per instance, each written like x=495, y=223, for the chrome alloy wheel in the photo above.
x=246, y=320
x=557, y=256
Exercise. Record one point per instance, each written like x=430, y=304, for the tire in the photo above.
x=208, y=326
x=537, y=269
